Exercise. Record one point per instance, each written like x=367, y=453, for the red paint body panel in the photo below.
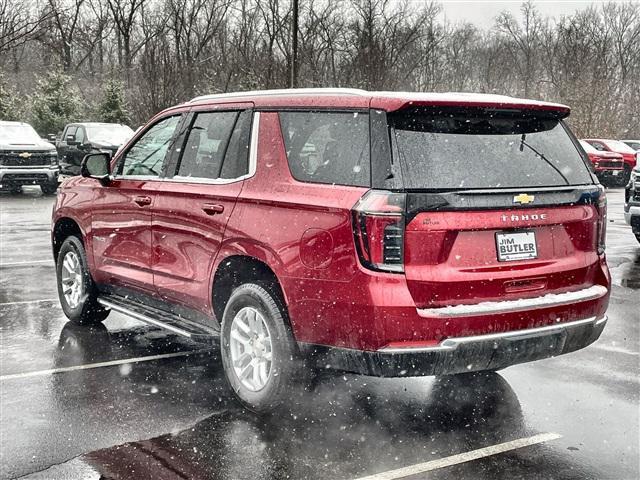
x=121, y=234
x=461, y=265
x=187, y=235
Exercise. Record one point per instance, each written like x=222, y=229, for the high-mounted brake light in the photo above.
x=378, y=228
x=602, y=220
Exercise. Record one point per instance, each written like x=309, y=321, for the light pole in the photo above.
x=293, y=81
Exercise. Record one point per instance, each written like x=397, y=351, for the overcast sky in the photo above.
x=482, y=13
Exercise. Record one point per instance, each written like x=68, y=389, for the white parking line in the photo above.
x=23, y=302
x=111, y=363
x=463, y=457
x=32, y=262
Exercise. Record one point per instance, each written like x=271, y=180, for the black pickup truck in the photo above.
x=79, y=139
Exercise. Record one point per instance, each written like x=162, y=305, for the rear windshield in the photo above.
x=480, y=149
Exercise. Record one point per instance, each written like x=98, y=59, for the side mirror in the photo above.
x=71, y=140
x=96, y=165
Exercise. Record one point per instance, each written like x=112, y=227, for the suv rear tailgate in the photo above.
x=461, y=263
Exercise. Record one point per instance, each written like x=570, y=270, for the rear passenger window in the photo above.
x=236, y=161
x=327, y=147
x=213, y=135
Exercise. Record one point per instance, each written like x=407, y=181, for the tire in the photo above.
x=623, y=180
x=49, y=188
x=261, y=311
x=80, y=305
x=638, y=237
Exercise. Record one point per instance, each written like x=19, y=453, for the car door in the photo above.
x=121, y=220
x=65, y=154
x=194, y=205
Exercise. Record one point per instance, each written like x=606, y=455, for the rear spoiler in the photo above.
x=394, y=104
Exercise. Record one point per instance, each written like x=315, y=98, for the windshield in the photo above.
x=448, y=150
x=620, y=146
x=588, y=147
x=18, y=134
x=109, y=134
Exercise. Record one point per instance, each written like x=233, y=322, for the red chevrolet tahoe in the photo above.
x=388, y=234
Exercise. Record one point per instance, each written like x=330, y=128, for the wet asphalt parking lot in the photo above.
x=128, y=401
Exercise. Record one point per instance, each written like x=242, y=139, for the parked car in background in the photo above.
x=26, y=159
x=635, y=144
x=632, y=202
x=609, y=166
x=629, y=155
x=392, y=253
x=79, y=139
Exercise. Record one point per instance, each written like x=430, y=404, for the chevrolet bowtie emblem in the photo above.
x=523, y=198
x=24, y=155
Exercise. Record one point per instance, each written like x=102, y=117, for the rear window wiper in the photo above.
x=523, y=144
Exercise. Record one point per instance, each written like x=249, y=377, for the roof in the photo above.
x=93, y=124
x=389, y=101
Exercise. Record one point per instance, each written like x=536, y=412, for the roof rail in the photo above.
x=286, y=91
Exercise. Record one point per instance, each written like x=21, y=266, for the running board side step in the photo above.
x=159, y=318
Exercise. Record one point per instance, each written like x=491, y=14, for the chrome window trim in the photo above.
x=253, y=162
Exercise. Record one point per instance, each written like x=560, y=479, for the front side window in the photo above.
x=80, y=135
x=71, y=132
x=206, y=145
x=147, y=156
x=327, y=147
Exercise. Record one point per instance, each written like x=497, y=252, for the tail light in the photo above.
x=602, y=221
x=378, y=228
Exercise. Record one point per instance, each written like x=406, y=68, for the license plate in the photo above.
x=615, y=172
x=516, y=246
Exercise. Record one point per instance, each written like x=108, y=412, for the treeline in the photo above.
x=167, y=51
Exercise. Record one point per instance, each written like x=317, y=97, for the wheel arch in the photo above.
x=237, y=269
x=63, y=228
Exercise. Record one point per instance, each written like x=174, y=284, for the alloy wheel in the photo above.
x=71, y=278
x=251, y=349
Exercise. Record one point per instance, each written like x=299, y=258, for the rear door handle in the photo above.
x=212, y=208
x=142, y=201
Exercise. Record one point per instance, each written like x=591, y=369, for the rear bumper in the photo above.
x=609, y=171
x=510, y=306
x=466, y=354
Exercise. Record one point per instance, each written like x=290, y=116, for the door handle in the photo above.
x=212, y=208
x=142, y=201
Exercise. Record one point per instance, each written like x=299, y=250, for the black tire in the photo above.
x=285, y=361
x=623, y=179
x=87, y=311
x=49, y=188
x=638, y=237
